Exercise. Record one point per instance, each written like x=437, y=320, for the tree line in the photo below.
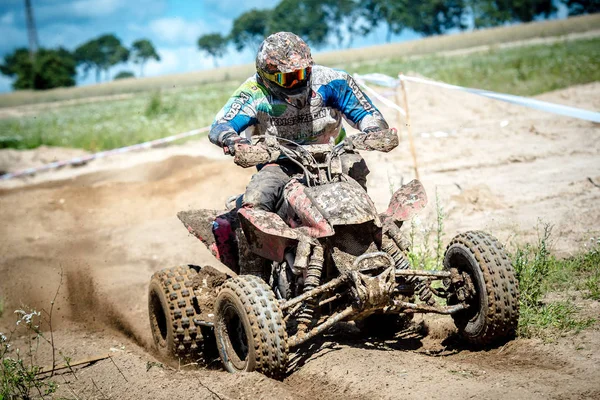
x=50, y=68
x=321, y=21
x=317, y=21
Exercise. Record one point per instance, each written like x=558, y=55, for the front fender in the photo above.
x=409, y=200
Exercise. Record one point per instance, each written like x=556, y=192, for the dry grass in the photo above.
x=425, y=46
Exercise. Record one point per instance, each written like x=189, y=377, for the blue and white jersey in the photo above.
x=334, y=93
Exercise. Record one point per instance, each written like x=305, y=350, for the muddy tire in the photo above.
x=172, y=312
x=249, y=328
x=494, y=311
x=384, y=326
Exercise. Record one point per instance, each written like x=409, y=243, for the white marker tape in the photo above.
x=103, y=154
x=379, y=97
x=560, y=109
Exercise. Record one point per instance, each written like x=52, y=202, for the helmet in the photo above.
x=284, y=65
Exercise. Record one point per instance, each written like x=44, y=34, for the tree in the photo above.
x=578, y=7
x=143, y=50
x=213, y=44
x=432, y=17
x=18, y=65
x=250, y=29
x=51, y=69
x=89, y=56
x=305, y=18
x=101, y=53
x=54, y=68
x=386, y=11
x=428, y=17
x=124, y=75
x=346, y=19
x=496, y=12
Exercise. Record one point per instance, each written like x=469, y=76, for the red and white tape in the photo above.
x=103, y=154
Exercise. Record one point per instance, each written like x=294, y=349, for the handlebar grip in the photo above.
x=247, y=155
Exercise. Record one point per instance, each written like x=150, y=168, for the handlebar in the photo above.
x=269, y=148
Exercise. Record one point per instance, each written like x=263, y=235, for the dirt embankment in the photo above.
x=110, y=224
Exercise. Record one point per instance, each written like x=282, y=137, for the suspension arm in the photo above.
x=420, y=272
x=313, y=292
x=424, y=308
x=302, y=337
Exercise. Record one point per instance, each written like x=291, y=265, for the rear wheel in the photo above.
x=493, y=312
x=172, y=312
x=249, y=328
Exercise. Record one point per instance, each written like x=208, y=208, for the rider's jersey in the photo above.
x=334, y=94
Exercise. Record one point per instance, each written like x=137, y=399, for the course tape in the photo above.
x=385, y=101
x=384, y=80
x=103, y=154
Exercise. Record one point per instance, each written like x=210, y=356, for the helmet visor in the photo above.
x=289, y=80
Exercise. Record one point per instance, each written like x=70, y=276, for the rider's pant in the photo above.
x=265, y=190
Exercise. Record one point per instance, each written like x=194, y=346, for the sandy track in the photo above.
x=110, y=224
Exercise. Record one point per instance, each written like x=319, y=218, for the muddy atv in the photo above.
x=332, y=257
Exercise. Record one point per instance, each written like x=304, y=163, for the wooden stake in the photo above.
x=409, y=128
x=45, y=370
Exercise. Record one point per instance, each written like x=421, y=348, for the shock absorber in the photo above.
x=392, y=247
x=313, y=279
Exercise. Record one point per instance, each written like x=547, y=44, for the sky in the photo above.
x=173, y=26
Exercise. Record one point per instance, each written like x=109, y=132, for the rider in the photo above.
x=293, y=98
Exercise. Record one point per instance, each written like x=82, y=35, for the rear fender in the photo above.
x=409, y=200
x=216, y=229
x=267, y=234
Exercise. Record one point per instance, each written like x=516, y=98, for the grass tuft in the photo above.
x=540, y=274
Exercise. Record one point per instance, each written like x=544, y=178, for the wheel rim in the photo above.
x=234, y=335
x=463, y=263
x=158, y=320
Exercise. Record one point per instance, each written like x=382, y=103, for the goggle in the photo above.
x=289, y=80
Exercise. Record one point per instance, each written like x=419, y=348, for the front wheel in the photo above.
x=249, y=328
x=493, y=312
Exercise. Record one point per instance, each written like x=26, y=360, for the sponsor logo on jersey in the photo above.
x=236, y=106
x=299, y=119
x=359, y=94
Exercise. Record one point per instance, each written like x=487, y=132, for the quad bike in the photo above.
x=331, y=257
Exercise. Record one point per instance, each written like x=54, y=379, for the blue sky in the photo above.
x=172, y=25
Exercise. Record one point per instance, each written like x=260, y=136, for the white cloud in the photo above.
x=95, y=8
x=177, y=59
x=51, y=11
x=177, y=30
x=235, y=8
x=8, y=18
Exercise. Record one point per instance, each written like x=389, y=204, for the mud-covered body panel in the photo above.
x=267, y=234
x=343, y=203
x=406, y=202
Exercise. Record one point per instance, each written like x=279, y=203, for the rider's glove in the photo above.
x=380, y=140
x=229, y=140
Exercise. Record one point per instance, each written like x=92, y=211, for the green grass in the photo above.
x=548, y=286
x=110, y=124
x=149, y=115
x=524, y=71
